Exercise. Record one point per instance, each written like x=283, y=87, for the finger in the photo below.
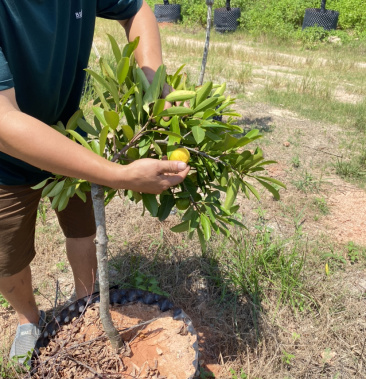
x=173, y=180
x=166, y=167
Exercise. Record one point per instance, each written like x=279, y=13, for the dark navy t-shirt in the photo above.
x=44, y=48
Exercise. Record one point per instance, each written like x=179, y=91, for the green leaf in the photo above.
x=202, y=240
x=203, y=93
x=122, y=69
x=57, y=188
x=251, y=188
x=87, y=128
x=206, y=104
x=129, y=117
x=231, y=193
x=99, y=113
x=55, y=201
x=182, y=227
x=220, y=90
x=206, y=226
x=103, y=139
x=154, y=91
x=127, y=132
x=72, y=123
x=144, y=146
x=176, y=111
x=81, y=194
x=40, y=185
x=142, y=78
x=174, y=128
x=100, y=93
x=60, y=128
x=113, y=90
x=80, y=139
x=130, y=47
x=157, y=148
x=115, y=48
x=158, y=106
x=112, y=119
x=106, y=69
x=272, y=180
x=181, y=95
x=94, y=144
x=63, y=201
x=270, y=188
x=150, y=203
x=99, y=79
x=166, y=205
x=48, y=188
x=198, y=134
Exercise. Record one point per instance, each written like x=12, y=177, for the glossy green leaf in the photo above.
x=106, y=69
x=63, y=201
x=203, y=93
x=158, y=107
x=81, y=194
x=142, y=78
x=157, y=148
x=202, y=240
x=80, y=139
x=103, y=139
x=72, y=123
x=206, y=104
x=40, y=185
x=130, y=47
x=115, y=48
x=182, y=227
x=99, y=113
x=48, y=188
x=166, y=205
x=270, y=188
x=176, y=111
x=122, y=70
x=150, y=203
x=129, y=117
x=59, y=128
x=251, y=188
x=206, y=226
x=99, y=79
x=198, y=134
x=231, y=193
x=127, y=132
x=272, y=180
x=154, y=90
x=87, y=128
x=174, y=128
x=100, y=93
x=57, y=188
x=94, y=144
x=112, y=119
x=220, y=90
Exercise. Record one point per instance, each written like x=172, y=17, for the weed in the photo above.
x=10, y=368
x=242, y=374
x=3, y=302
x=62, y=266
x=287, y=357
x=146, y=283
x=354, y=252
x=295, y=161
x=321, y=205
x=41, y=211
x=307, y=183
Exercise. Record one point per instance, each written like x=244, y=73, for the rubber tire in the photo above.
x=226, y=20
x=167, y=13
x=327, y=19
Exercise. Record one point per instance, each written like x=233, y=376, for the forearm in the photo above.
x=34, y=142
x=148, y=53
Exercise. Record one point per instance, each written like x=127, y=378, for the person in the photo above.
x=44, y=48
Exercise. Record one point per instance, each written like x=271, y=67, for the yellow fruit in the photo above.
x=180, y=154
x=182, y=204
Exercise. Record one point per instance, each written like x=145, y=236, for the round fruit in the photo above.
x=180, y=154
x=182, y=204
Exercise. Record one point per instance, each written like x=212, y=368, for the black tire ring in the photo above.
x=226, y=20
x=327, y=19
x=117, y=296
x=167, y=12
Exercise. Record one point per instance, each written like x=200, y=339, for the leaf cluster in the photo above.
x=132, y=121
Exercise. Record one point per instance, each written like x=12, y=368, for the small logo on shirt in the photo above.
x=79, y=15
x=27, y=332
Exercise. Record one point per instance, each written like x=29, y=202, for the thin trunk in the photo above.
x=207, y=43
x=101, y=242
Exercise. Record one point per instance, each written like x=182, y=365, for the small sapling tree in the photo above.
x=131, y=121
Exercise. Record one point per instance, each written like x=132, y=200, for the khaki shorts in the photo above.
x=18, y=215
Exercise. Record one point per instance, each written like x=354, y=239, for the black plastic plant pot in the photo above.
x=167, y=12
x=226, y=20
x=121, y=297
x=327, y=19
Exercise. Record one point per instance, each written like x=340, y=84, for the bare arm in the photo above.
x=34, y=142
x=148, y=53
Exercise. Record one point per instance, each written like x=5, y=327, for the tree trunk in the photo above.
x=207, y=43
x=101, y=242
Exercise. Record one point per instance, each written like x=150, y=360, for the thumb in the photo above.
x=172, y=166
